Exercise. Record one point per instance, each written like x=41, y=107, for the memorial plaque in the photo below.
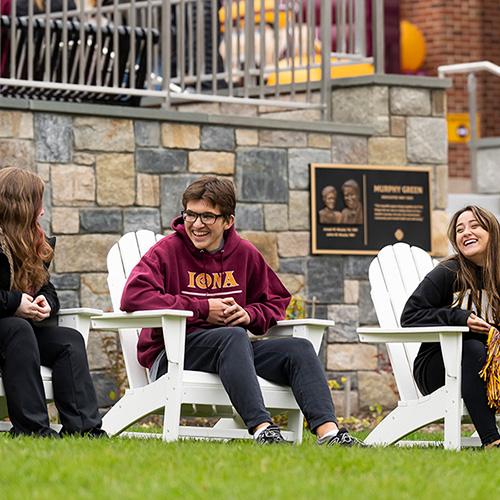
x=358, y=209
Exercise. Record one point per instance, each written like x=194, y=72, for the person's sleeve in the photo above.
x=49, y=292
x=145, y=290
x=431, y=303
x=9, y=302
x=268, y=299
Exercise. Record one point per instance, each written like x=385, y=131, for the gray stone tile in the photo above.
x=100, y=220
x=298, y=165
x=292, y=266
x=171, y=189
x=53, y=138
x=356, y=266
x=249, y=216
x=325, y=279
x=66, y=281
x=147, y=133
x=217, y=138
x=261, y=175
x=161, y=161
x=68, y=299
x=141, y=218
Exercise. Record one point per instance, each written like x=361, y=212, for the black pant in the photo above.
x=431, y=375
x=23, y=348
x=228, y=352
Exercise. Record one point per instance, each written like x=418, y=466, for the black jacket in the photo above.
x=432, y=304
x=10, y=299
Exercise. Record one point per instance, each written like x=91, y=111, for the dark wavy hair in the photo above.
x=21, y=196
x=468, y=271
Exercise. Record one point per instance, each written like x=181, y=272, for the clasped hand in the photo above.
x=35, y=309
x=227, y=312
x=477, y=324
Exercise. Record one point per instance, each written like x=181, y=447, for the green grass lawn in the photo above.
x=125, y=468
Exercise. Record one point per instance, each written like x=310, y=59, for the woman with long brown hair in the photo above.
x=463, y=290
x=27, y=298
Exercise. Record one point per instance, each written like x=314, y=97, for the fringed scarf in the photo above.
x=491, y=370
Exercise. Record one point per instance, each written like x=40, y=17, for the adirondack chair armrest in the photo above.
x=408, y=334
x=172, y=322
x=77, y=318
x=307, y=328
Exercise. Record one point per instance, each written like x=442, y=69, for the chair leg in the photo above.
x=296, y=425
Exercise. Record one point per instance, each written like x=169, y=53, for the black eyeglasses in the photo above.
x=207, y=218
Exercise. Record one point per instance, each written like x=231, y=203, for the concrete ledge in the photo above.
x=184, y=117
x=488, y=143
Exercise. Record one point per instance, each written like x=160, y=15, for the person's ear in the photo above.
x=228, y=222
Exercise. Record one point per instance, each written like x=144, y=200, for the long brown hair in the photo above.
x=467, y=270
x=21, y=195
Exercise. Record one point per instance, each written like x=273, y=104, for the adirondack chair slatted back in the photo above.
x=122, y=258
x=394, y=274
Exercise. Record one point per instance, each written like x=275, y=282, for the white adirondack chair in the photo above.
x=394, y=274
x=190, y=391
x=79, y=319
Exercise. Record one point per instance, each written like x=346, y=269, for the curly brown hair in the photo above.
x=467, y=270
x=21, y=196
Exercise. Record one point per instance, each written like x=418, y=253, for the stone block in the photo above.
x=105, y=388
x=217, y=138
x=356, y=266
x=249, y=216
x=46, y=220
x=440, y=187
x=346, y=319
x=53, y=137
x=294, y=244
x=298, y=165
x=160, y=161
x=147, y=133
x=427, y=140
x=68, y=299
x=377, y=388
x=103, y=134
x=488, y=173
x=94, y=291
x=361, y=105
x=276, y=217
x=322, y=141
x=349, y=149
x=171, y=189
x=84, y=159
x=83, y=253
x=386, y=151
x=101, y=220
x=438, y=103
x=294, y=115
x=282, y=138
x=325, y=278
x=398, y=126
x=410, y=101
x=351, y=357
x=141, y=218
x=292, y=266
x=247, y=137
x=148, y=190
x=16, y=124
x=43, y=170
x=211, y=162
x=351, y=291
x=298, y=210
x=261, y=175
x=294, y=283
x=65, y=220
x=367, y=313
x=115, y=179
x=229, y=108
x=98, y=360
x=177, y=135
x=72, y=185
x=17, y=153
x=439, y=224
x=67, y=281
x=339, y=400
x=266, y=244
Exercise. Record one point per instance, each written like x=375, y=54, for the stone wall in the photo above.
x=107, y=175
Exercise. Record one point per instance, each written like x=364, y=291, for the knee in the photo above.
x=298, y=348
x=72, y=340
x=474, y=355
x=18, y=329
x=235, y=338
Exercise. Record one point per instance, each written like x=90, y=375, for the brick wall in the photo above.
x=458, y=32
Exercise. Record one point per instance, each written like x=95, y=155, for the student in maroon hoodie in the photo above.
x=205, y=267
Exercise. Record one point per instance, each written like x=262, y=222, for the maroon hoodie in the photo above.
x=174, y=274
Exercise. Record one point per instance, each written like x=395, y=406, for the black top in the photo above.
x=432, y=304
x=10, y=299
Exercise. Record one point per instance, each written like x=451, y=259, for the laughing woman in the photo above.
x=27, y=298
x=464, y=290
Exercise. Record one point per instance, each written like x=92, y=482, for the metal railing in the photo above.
x=470, y=69
x=254, y=51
